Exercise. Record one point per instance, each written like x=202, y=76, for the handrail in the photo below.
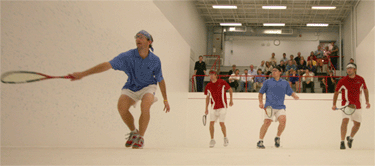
x=299, y=80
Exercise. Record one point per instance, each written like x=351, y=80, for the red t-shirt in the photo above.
x=351, y=88
x=218, y=94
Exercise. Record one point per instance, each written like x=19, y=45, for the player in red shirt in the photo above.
x=351, y=87
x=216, y=91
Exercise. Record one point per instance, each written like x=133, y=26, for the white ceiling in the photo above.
x=297, y=14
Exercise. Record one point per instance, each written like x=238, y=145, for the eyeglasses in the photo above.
x=139, y=36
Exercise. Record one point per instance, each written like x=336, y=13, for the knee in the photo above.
x=212, y=123
x=357, y=124
x=222, y=124
x=267, y=123
x=345, y=122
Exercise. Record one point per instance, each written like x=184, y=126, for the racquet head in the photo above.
x=350, y=109
x=204, y=120
x=17, y=77
x=269, y=111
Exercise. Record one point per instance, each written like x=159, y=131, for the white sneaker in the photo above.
x=212, y=143
x=226, y=141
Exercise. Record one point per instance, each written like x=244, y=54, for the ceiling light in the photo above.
x=273, y=7
x=230, y=24
x=273, y=24
x=324, y=7
x=223, y=7
x=272, y=31
x=232, y=29
x=316, y=25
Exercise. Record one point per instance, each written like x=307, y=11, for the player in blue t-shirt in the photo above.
x=144, y=72
x=275, y=89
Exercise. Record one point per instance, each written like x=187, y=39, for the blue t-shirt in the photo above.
x=141, y=72
x=275, y=92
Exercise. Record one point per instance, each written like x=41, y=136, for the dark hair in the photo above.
x=200, y=56
x=152, y=40
x=278, y=68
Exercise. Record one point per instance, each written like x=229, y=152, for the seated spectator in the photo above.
x=289, y=66
x=292, y=59
x=298, y=58
x=233, y=69
x=313, y=62
x=351, y=61
x=284, y=58
x=330, y=83
x=312, y=56
x=234, y=79
x=246, y=81
x=301, y=67
x=294, y=79
x=273, y=60
x=311, y=67
x=262, y=66
x=268, y=68
x=252, y=71
x=282, y=67
x=258, y=81
x=308, y=81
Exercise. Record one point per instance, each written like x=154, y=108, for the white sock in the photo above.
x=277, y=137
x=350, y=137
x=261, y=140
x=135, y=131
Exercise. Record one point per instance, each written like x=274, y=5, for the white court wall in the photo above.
x=58, y=38
x=252, y=50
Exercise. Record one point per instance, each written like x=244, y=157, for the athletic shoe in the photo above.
x=342, y=146
x=138, y=143
x=350, y=141
x=260, y=145
x=212, y=143
x=277, y=142
x=226, y=142
x=132, y=137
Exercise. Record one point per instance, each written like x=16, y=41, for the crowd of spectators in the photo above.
x=296, y=70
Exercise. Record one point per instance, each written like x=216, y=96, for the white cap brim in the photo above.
x=350, y=66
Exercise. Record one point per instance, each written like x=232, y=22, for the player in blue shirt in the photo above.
x=144, y=72
x=275, y=89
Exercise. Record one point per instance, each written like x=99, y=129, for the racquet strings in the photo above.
x=20, y=77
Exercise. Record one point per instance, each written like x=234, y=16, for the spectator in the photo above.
x=234, y=79
x=311, y=67
x=319, y=53
x=200, y=69
x=330, y=83
x=289, y=66
x=233, y=69
x=304, y=61
x=268, y=68
x=252, y=71
x=294, y=79
x=258, y=81
x=312, y=59
x=282, y=66
x=308, y=81
x=301, y=67
x=334, y=53
x=262, y=67
x=246, y=81
x=312, y=56
x=273, y=60
x=298, y=58
x=284, y=58
x=351, y=61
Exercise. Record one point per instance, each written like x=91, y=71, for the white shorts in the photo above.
x=218, y=114
x=356, y=116
x=276, y=113
x=136, y=96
